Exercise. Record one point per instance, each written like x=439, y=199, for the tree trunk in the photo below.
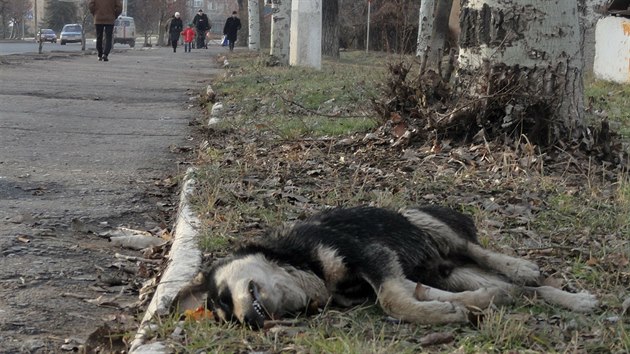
x=280, y=28
x=254, y=25
x=425, y=29
x=440, y=30
x=432, y=33
x=522, y=60
x=243, y=37
x=330, y=28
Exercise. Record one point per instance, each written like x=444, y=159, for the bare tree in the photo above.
x=519, y=77
x=146, y=18
x=253, y=24
x=280, y=28
x=86, y=20
x=433, y=31
x=330, y=28
x=165, y=9
x=522, y=62
x=15, y=11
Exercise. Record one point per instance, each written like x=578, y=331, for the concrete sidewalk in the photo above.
x=84, y=147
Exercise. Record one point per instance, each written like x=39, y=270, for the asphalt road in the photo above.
x=84, y=148
x=30, y=46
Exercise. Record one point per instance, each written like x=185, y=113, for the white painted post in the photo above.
x=306, y=33
x=280, y=29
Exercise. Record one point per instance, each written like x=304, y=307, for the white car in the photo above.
x=71, y=33
x=125, y=31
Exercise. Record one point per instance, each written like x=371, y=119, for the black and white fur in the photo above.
x=422, y=265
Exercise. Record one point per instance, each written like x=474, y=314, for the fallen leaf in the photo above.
x=592, y=261
x=198, y=314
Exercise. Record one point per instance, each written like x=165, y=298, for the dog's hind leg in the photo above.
x=579, y=302
x=473, y=278
x=470, y=285
x=520, y=271
x=398, y=301
x=480, y=298
x=384, y=273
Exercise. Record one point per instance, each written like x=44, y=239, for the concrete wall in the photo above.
x=612, y=49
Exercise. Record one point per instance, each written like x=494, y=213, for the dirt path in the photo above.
x=85, y=147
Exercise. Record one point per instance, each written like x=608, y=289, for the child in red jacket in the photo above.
x=189, y=35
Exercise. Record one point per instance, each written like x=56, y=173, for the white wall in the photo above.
x=612, y=49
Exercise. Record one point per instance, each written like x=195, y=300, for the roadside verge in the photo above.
x=184, y=261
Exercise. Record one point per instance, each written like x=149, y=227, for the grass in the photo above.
x=610, y=100
x=292, y=142
x=301, y=102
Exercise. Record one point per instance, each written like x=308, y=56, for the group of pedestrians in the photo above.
x=198, y=30
x=105, y=13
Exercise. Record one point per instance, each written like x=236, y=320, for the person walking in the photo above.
x=167, y=28
x=232, y=26
x=174, y=30
x=105, y=13
x=202, y=25
x=189, y=35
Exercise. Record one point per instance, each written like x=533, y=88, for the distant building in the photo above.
x=30, y=22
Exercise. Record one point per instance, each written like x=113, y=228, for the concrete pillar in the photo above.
x=306, y=33
x=280, y=29
x=612, y=49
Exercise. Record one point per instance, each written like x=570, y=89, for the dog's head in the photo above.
x=249, y=289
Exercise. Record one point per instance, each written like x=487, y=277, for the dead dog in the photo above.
x=421, y=265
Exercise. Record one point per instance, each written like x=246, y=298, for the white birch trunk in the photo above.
x=253, y=25
x=425, y=27
x=280, y=30
x=532, y=49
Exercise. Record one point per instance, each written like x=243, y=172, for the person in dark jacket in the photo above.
x=105, y=13
x=174, y=30
x=202, y=25
x=232, y=25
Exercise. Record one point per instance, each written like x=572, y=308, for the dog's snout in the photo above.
x=254, y=320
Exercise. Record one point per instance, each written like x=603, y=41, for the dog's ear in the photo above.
x=193, y=295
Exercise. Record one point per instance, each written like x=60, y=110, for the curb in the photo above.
x=184, y=263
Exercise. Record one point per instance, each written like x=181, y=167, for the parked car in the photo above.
x=71, y=33
x=47, y=35
x=125, y=31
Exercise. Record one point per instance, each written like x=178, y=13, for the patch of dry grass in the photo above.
x=275, y=159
